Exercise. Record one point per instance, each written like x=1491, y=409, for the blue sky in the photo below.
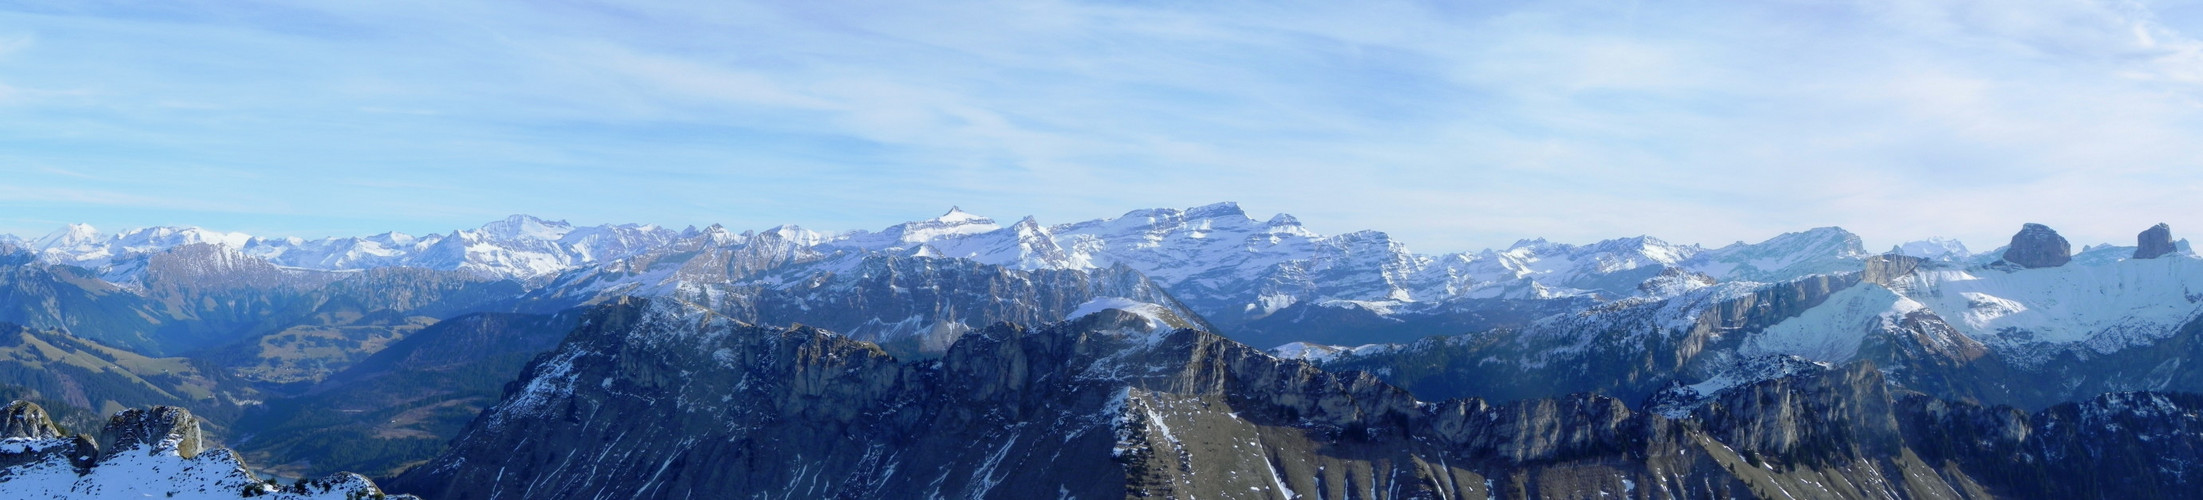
x=1451, y=125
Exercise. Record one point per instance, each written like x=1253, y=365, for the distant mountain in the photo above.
x=715, y=359
x=1934, y=249
x=1216, y=259
x=2009, y=335
x=518, y=247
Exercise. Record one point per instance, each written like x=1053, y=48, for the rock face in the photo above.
x=650, y=399
x=1887, y=269
x=155, y=452
x=25, y=420
x=30, y=437
x=2037, y=246
x=159, y=427
x=2154, y=242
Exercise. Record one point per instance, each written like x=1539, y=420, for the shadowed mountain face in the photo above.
x=400, y=406
x=656, y=399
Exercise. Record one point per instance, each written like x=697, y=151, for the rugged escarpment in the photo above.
x=908, y=305
x=155, y=452
x=654, y=399
x=1629, y=349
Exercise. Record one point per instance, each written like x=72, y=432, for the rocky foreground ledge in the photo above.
x=156, y=452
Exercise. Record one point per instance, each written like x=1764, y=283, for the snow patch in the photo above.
x=1832, y=331
x=1152, y=313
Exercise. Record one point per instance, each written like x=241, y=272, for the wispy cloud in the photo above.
x=1454, y=126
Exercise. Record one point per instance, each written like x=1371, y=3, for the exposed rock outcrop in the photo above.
x=1888, y=269
x=156, y=452
x=26, y=420
x=156, y=430
x=30, y=436
x=2038, y=246
x=2154, y=242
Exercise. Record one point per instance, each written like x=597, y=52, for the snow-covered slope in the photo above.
x=1230, y=265
x=2026, y=315
x=516, y=247
x=1215, y=258
x=154, y=453
x=1833, y=331
x=2103, y=306
x=1934, y=249
x=1790, y=255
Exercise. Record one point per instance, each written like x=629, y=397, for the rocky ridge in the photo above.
x=2002, y=334
x=1109, y=405
x=1215, y=258
x=154, y=452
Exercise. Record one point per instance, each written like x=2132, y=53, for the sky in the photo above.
x=1450, y=125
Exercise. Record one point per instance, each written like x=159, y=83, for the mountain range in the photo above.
x=1192, y=352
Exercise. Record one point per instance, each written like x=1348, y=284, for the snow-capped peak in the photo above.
x=957, y=215
x=1937, y=248
x=519, y=227
x=68, y=236
x=1813, y=251
x=1528, y=243
x=1216, y=210
x=153, y=239
x=1157, y=317
x=955, y=223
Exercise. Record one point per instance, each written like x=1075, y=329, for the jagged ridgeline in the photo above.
x=2033, y=328
x=1780, y=368
x=157, y=452
x=660, y=399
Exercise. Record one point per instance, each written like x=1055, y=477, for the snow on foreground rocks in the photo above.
x=150, y=453
x=1157, y=317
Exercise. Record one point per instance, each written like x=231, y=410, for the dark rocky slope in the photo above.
x=400, y=406
x=661, y=400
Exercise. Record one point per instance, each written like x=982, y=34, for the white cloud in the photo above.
x=1693, y=121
